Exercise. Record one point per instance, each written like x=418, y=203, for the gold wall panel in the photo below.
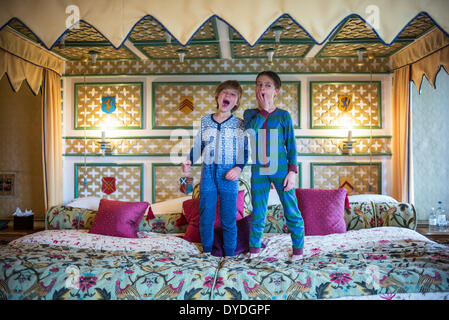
x=128, y=102
x=323, y=146
x=166, y=97
x=365, y=99
x=128, y=180
x=166, y=180
x=221, y=66
x=362, y=175
x=145, y=146
x=166, y=146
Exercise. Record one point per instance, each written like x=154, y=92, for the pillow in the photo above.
x=191, y=216
x=169, y=206
x=90, y=203
x=118, y=218
x=371, y=197
x=322, y=210
x=243, y=228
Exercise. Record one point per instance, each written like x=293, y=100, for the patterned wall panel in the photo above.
x=167, y=96
x=225, y=66
x=365, y=99
x=359, y=175
x=113, y=105
x=165, y=179
x=332, y=146
x=109, y=180
x=135, y=146
x=167, y=146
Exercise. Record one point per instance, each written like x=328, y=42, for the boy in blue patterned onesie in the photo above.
x=224, y=151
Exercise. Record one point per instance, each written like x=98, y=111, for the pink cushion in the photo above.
x=118, y=218
x=322, y=210
x=191, y=209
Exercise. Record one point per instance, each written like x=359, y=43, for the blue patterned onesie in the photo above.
x=222, y=146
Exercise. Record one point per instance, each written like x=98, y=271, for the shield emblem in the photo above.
x=186, y=185
x=344, y=103
x=108, y=104
x=108, y=185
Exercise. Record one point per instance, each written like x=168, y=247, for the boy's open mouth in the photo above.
x=225, y=103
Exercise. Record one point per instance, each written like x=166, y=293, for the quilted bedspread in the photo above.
x=377, y=263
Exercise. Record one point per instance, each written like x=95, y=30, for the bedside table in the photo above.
x=437, y=236
x=9, y=234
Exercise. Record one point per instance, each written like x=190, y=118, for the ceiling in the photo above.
x=216, y=40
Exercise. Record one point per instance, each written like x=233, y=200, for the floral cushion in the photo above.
x=65, y=217
x=395, y=215
x=361, y=215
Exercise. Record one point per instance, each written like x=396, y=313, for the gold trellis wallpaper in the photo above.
x=109, y=180
x=363, y=104
x=115, y=180
x=224, y=66
x=112, y=105
x=166, y=146
x=359, y=176
x=167, y=96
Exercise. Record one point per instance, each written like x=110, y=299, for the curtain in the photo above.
x=424, y=57
x=52, y=139
x=23, y=60
x=401, y=134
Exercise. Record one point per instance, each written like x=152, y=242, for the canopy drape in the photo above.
x=48, y=19
x=23, y=60
x=425, y=57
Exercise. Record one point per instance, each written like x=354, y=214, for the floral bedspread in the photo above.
x=378, y=263
x=146, y=241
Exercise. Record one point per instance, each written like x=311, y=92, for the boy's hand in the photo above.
x=289, y=181
x=186, y=165
x=233, y=174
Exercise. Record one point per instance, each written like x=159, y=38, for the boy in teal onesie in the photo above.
x=271, y=130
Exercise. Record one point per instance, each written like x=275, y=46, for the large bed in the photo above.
x=379, y=256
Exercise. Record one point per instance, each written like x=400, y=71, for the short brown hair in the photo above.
x=273, y=76
x=229, y=84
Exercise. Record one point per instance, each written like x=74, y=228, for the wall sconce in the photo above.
x=347, y=145
x=94, y=56
x=270, y=54
x=105, y=146
x=181, y=54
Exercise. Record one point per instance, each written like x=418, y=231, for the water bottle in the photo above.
x=441, y=216
x=432, y=220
